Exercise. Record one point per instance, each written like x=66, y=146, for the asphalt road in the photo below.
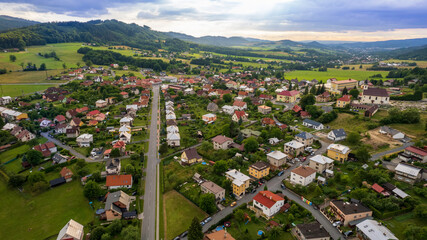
x=58, y=143
x=149, y=220
x=381, y=154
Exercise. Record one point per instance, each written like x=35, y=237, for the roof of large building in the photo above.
x=350, y=208
x=345, y=98
x=304, y=171
x=304, y=135
x=238, y=177
x=260, y=166
x=416, y=150
x=344, y=81
x=313, y=230
x=312, y=122
x=375, y=230
x=289, y=93
x=221, y=139
x=321, y=159
x=277, y=155
x=118, y=180
x=212, y=187
x=267, y=198
x=294, y=144
x=377, y=92
x=340, y=148
x=408, y=169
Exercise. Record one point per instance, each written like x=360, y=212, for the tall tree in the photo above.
x=12, y=58
x=344, y=91
x=92, y=190
x=131, y=233
x=354, y=93
x=195, y=232
x=307, y=100
x=34, y=157
x=251, y=144
x=207, y=203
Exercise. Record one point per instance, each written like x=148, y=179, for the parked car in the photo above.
x=314, y=207
x=177, y=238
x=253, y=190
x=208, y=220
x=202, y=223
x=184, y=234
x=283, y=186
x=336, y=224
x=233, y=204
x=280, y=173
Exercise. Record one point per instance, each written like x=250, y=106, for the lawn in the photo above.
x=333, y=73
x=179, y=213
x=44, y=215
x=15, y=166
x=18, y=90
x=398, y=224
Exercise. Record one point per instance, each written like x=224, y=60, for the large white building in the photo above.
x=268, y=202
x=84, y=140
x=375, y=96
x=373, y=230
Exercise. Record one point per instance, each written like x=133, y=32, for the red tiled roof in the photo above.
x=119, y=144
x=377, y=188
x=304, y=171
x=124, y=93
x=239, y=103
x=242, y=93
x=304, y=114
x=267, y=198
x=345, y=98
x=221, y=139
x=60, y=118
x=118, y=180
x=289, y=93
x=268, y=121
x=297, y=108
x=416, y=150
x=239, y=114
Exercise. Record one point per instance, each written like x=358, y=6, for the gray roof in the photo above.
x=339, y=132
x=327, y=109
x=304, y=135
x=389, y=130
x=311, y=122
x=58, y=158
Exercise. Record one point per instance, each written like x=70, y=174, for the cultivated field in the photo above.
x=18, y=90
x=333, y=73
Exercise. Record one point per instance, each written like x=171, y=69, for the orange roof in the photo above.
x=289, y=93
x=240, y=114
x=267, y=198
x=118, y=180
x=304, y=171
x=345, y=98
x=239, y=103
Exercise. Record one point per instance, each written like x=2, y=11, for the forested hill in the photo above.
x=412, y=53
x=7, y=22
x=97, y=31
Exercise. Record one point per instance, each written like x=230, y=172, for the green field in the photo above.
x=398, y=224
x=18, y=90
x=42, y=216
x=333, y=73
x=179, y=213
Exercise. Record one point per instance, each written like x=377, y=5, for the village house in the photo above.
x=209, y=118
x=76, y=122
x=407, y=173
x=375, y=96
x=25, y=136
x=276, y=159
x=126, y=121
x=72, y=132
x=267, y=203
x=310, y=231
x=240, y=105
x=239, y=181
x=239, y=115
x=46, y=149
x=347, y=212
x=84, y=140
x=264, y=109
x=338, y=86
x=250, y=133
x=118, y=181
x=60, y=119
x=116, y=204
x=219, y=235
x=312, y=124
x=302, y=175
x=59, y=158
x=67, y=174
x=370, y=229
x=305, y=138
x=212, y=107
x=112, y=166
x=338, y=152
x=221, y=142
x=211, y=187
x=228, y=109
x=324, y=97
x=173, y=139
x=259, y=170
x=321, y=163
x=5, y=100
x=337, y=134
x=414, y=153
x=71, y=231
x=101, y=103
x=124, y=95
x=288, y=96
x=268, y=122
x=125, y=137
x=190, y=156
x=343, y=101
x=294, y=148
x=391, y=132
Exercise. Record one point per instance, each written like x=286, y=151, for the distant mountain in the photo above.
x=216, y=40
x=111, y=32
x=412, y=53
x=7, y=22
x=384, y=45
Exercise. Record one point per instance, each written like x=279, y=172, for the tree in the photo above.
x=354, y=93
x=306, y=90
x=274, y=233
x=195, y=230
x=227, y=98
x=353, y=138
x=34, y=157
x=97, y=233
x=16, y=180
x=362, y=154
x=89, y=63
x=115, y=227
x=22, y=65
x=21, y=44
x=130, y=169
x=220, y=167
x=344, y=91
x=307, y=100
x=239, y=215
x=115, y=152
x=1, y=122
x=106, y=236
x=42, y=67
x=131, y=233
x=36, y=177
x=207, y=203
x=92, y=190
x=313, y=90
x=251, y=144
x=12, y=58
x=78, y=64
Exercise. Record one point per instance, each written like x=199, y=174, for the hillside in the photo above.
x=412, y=53
x=100, y=32
x=7, y=22
x=384, y=45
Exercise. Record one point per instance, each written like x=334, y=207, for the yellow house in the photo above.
x=21, y=116
x=239, y=181
x=190, y=156
x=343, y=101
x=259, y=170
x=338, y=152
x=288, y=96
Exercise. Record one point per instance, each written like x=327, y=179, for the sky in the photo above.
x=298, y=20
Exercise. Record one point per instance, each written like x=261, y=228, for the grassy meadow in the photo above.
x=333, y=73
x=18, y=90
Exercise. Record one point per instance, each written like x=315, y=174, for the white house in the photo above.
x=71, y=231
x=228, y=110
x=127, y=121
x=303, y=175
x=172, y=129
x=5, y=100
x=118, y=181
x=375, y=96
x=268, y=202
x=337, y=134
x=84, y=140
x=321, y=163
x=276, y=159
x=312, y=124
x=294, y=148
x=173, y=139
x=170, y=116
x=273, y=141
x=391, y=132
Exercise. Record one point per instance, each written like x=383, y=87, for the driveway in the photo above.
x=58, y=143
